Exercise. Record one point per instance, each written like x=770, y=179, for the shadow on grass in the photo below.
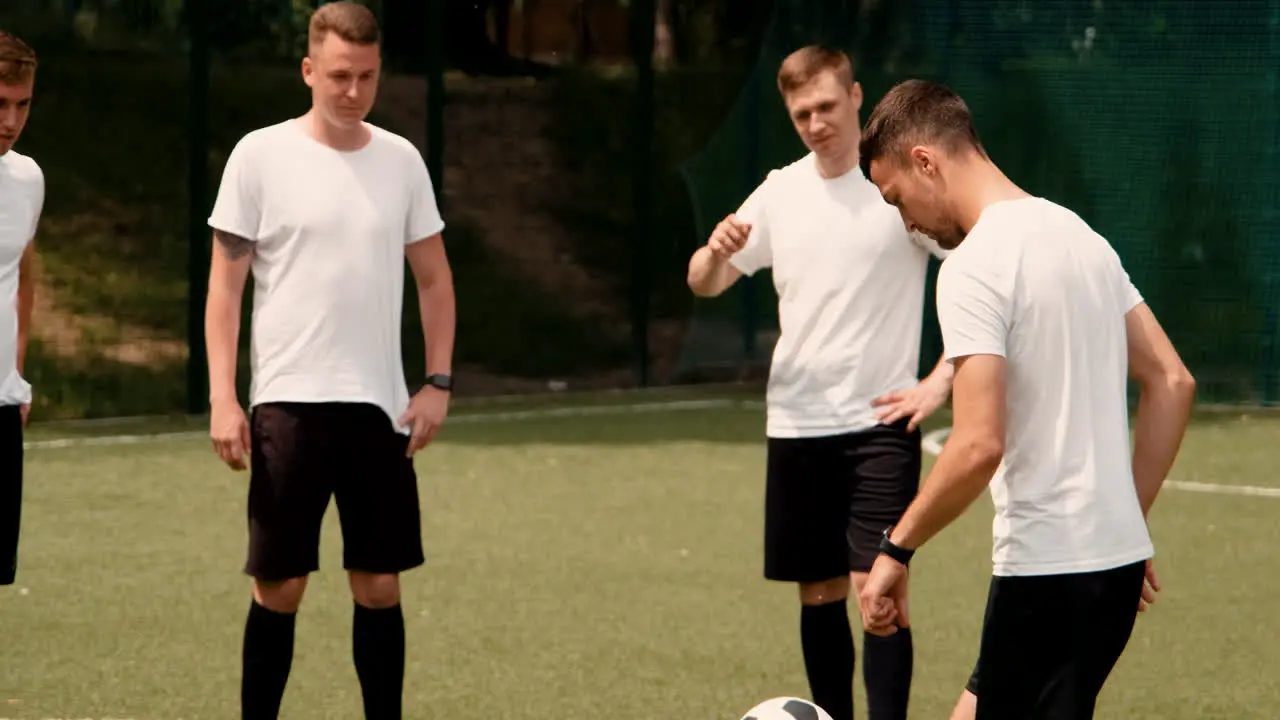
x=91, y=385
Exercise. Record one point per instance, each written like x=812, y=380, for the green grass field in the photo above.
x=602, y=566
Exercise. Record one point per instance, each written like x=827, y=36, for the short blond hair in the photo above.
x=17, y=60
x=810, y=61
x=350, y=21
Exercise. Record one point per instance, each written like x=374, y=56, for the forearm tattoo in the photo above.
x=233, y=246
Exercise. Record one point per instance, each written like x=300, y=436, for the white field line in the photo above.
x=932, y=444
x=465, y=419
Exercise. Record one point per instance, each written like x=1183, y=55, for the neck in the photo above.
x=979, y=184
x=338, y=138
x=833, y=166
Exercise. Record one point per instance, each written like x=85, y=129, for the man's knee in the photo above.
x=824, y=591
x=282, y=596
x=375, y=590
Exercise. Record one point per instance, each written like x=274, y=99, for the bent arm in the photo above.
x=436, y=301
x=26, y=301
x=969, y=458
x=228, y=272
x=1166, y=395
x=709, y=274
x=943, y=372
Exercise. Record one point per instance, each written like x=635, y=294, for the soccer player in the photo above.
x=324, y=209
x=21, y=202
x=1044, y=328
x=844, y=400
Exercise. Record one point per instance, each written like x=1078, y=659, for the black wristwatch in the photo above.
x=887, y=547
x=440, y=381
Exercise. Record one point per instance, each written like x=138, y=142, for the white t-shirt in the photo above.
x=850, y=282
x=1036, y=285
x=21, y=202
x=329, y=229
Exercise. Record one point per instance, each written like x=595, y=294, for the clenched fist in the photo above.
x=729, y=237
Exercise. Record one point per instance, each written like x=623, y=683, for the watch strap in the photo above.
x=901, y=554
x=440, y=381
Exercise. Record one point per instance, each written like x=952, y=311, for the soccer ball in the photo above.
x=786, y=708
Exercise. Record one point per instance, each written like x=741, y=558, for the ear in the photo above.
x=923, y=160
x=308, y=71
x=855, y=93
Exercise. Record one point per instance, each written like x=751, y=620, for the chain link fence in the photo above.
x=577, y=175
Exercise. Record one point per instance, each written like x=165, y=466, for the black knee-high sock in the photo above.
x=378, y=648
x=827, y=642
x=886, y=669
x=268, y=657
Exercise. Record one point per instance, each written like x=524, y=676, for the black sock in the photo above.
x=268, y=657
x=827, y=642
x=886, y=669
x=377, y=645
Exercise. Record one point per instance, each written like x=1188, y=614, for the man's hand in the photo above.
x=883, y=599
x=1150, y=586
x=25, y=409
x=424, y=417
x=229, y=430
x=917, y=403
x=729, y=237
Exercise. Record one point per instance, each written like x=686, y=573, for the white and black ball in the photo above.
x=786, y=708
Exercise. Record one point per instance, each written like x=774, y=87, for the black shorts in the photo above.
x=305, y=452
x=1049, y=642
x=829, y=499
x=10, y=490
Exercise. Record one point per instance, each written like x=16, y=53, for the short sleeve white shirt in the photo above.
x=1033, y=283
x=329, y=229
x=850, y=282
x=21, y=203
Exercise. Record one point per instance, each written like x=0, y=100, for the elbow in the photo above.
x=699, y=285
x=982, y=455
x=1182, y=384
x=1175, y=383
x=701, y=277
x=700, y=289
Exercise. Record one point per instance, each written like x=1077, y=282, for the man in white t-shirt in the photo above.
x=844, y=402
x=21, y=202
x=324, y=210
x=1044, y=328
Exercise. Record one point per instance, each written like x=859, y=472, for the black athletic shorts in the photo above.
x=1049, y=642
x=829, y=499
x=303, y=453
x=10, y=490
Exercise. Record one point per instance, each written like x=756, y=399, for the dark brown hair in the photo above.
x=808, y=62
x=17, y=60
x=350, y=21
x=917, y=112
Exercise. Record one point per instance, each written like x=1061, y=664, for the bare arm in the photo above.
x=26, y=301
x=436, y=301
x=1167, y=392
x=228, y=272
x=710, y=274
x=970, y=457
x=943, y=372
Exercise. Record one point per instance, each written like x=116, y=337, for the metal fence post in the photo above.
x=1271, y=340
x=642, y=21
x=198, y=189
x=436, y=99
